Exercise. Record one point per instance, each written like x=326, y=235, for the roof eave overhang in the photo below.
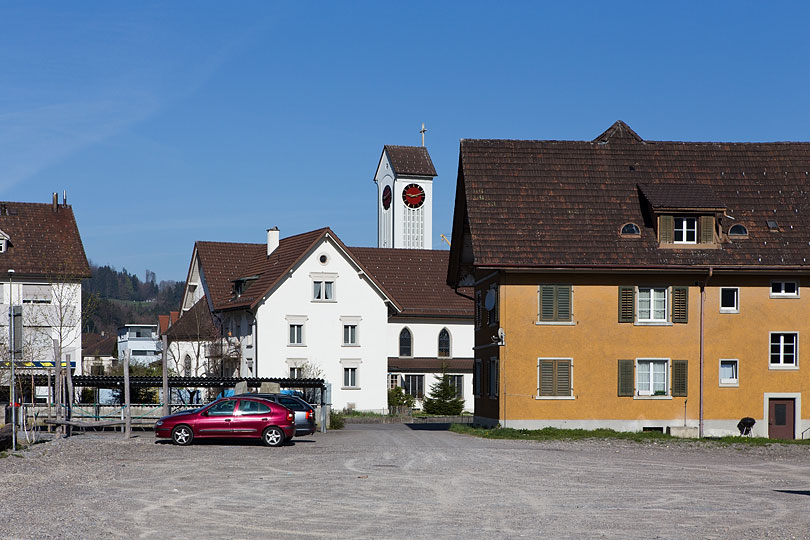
x=674, y=269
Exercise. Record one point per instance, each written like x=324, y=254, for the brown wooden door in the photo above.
x=781, y=417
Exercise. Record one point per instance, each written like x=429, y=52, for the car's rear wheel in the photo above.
x=182, y=435
x=273, y=436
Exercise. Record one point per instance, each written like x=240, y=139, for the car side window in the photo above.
x=247, y=406
x=223, y=408
x=293, y=404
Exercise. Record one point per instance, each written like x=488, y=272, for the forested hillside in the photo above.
x=111, y=298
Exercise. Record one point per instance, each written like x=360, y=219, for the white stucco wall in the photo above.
x=323, y=329
x=59, y=316
x=425, y=343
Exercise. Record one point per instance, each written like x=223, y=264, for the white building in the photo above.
x=309, y=306
x=42, y=263
x=141, y=341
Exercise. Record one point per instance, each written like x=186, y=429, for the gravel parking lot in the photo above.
x=392, y=481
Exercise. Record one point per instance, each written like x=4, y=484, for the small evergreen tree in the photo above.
x=443, y=398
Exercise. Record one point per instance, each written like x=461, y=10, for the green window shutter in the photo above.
x=680, y=305
x=680, y=378
x=563, y=302
x=546, y=377
x=627, y=300
x=666, y=226
x=626, y=382
x=706, y=229
x=563, y=378
x=547, y=302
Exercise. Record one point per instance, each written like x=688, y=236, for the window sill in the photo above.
x=727, y=310
x=778, y=367
x=555, y=323
x=795, y=296
x=652, y=397
x=350, y=345
x=314, y=301
x=350, y=388
x=296, y=344
x=555, y=397
x=735, y=384
x=653, y=323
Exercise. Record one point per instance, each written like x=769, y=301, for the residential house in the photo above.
x=635, y=284
x=98, y=353
x=309, y=306
x=42, y=263
x=140, y=341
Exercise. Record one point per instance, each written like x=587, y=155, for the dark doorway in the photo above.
x=781, y=418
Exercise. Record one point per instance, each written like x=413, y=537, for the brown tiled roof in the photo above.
x=43, y=242
x=163, y=324
x=410, y=160
x=430, y=364
x=696, y=196
x=98, y=345
x=541, y=204
x=223, y=261
x=417, y=280
x=196, y=324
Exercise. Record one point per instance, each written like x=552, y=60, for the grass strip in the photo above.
x=555, y=434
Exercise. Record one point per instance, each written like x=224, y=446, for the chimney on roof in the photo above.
x=55, y=201
x=272, y=240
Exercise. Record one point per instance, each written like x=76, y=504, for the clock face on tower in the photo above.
x=386, y=197
x=413, y=196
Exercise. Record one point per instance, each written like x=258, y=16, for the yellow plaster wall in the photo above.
x=597, y=341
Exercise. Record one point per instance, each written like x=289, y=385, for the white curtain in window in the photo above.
x=317, y=290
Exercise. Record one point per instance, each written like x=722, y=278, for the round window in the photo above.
x=323, y=258
x=631, y=229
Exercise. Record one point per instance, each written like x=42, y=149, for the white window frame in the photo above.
x=350, y=321
x=296, y=320
x=323, y=278
x=729, y=382
x=405, y=384
x=684, y=230
x=781, y=364
x=394, y=380
x=351, y=364
x=649, y=393
x=651, y=320
x=736, y=307
x=783, y=294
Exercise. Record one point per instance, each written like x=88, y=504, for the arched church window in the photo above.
x=444, y=343
x=405, y=343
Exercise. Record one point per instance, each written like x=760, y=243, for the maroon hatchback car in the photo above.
x=226, y=418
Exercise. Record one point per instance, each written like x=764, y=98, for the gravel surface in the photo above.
x=391, y=481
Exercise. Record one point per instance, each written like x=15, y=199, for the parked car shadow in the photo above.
x=227, y=442
x=430, y=426
x=794, y=491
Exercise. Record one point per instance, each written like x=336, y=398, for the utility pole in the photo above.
x=11, y=348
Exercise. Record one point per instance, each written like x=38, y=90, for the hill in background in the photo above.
x=111, y=299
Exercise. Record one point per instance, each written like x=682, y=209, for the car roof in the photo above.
x=272, y=395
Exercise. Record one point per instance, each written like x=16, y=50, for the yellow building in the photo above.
x=636, y=284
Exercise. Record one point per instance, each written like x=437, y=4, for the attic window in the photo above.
x=685, y=231
x=738, y=230
x=773, y=225
x=3, y=245
x=630, y=229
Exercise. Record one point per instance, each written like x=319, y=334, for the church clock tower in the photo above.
x=404, y=181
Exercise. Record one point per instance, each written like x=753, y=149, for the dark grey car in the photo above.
x=304, y=413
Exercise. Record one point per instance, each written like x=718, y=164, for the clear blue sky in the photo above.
x=172, y=122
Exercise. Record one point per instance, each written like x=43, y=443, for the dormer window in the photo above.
x=3, y=245
x=685, y=230
x=630, y=229
x=738, y=230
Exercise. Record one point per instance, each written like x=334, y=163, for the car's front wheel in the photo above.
x=182, y=435
x=273, y=436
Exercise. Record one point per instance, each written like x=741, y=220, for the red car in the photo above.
x=234, y=417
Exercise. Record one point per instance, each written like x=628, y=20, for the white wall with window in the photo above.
x=437, y=340
x=351, y=308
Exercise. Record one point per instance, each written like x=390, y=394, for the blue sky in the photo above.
x=172, y=122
